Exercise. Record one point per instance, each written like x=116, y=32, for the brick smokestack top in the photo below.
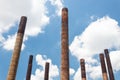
x=29, y=67
x=109, y=65
x=83, y=71
x=65, y=16
x=46, y=74
x=22, y=24
x=64, y=46
x=103, y=67
x=17, y=48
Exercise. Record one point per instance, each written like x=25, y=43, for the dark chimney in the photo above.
x=83, y=71
x=46, y=75
x=111, y=75
x=29, y=67
x=103, y=67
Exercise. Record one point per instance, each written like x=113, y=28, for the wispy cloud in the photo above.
x=59, y=5
x=36, y=11
x=99, y=35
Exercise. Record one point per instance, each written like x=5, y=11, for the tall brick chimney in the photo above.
x=64, y=46
x=17, y=49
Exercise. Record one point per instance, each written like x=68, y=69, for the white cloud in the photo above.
x=72, y=71
x=114, y=56
x=35, y=10
x=77, y=75
x=94, y=72
x=58, y=4
x=99, y=35
x=1, y=38
x=39, y=73
x=10, y=42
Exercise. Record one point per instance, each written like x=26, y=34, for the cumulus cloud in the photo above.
x=114, y=56
x=99, y=35
x=39, y=73
x=36, y=11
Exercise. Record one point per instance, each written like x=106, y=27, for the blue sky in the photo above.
x=94, y=25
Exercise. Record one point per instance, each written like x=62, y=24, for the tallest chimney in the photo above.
x=64, y=46
x=17, y=48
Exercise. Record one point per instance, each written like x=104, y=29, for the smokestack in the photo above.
x=29, y=67
x=103, y=67
x=83, y=72
x=111, y=75
x=17, y=48
x=46, y=75
x=64, y=45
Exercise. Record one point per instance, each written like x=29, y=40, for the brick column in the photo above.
x=109, y=65
x=46, y=74
x=83, y=71
x=29, y=69
x=17, y=48
x=64, y=46
x=103, y=67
